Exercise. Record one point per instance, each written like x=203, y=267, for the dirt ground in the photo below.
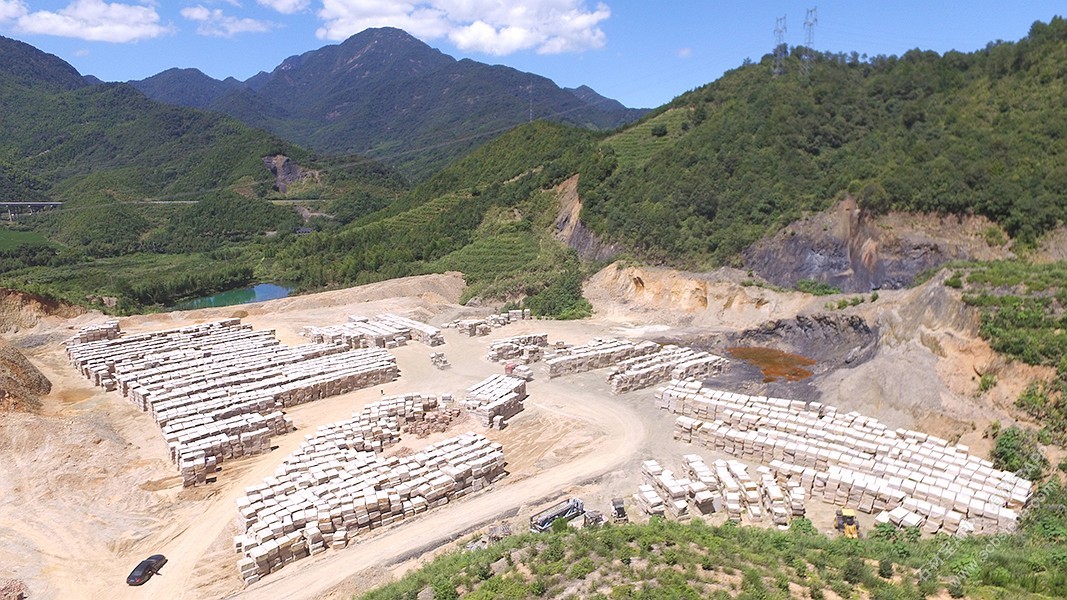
x=86, y=489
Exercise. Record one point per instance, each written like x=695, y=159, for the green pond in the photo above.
x=257, y=293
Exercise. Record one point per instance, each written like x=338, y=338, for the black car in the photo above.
x=146, y=569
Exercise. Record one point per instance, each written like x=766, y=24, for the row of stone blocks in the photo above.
x=216, y=388
x=386, y=330
x=480, y=327
x=597, y=354
x=226, y=439
x=418, y=331
x=327, y=493
x=284, y=385
x=496, y=399
x=883, y=468
x=107, y=330
x=726, y=485
x=666, y=363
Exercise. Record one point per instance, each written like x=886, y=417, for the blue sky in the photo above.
x=641, y=52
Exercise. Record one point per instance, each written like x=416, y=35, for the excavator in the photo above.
x=847, y=524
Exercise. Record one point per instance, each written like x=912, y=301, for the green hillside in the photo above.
x=179, y=201
x=691, y=185
x=487, y=215
x=665, y=560
x=983, y=133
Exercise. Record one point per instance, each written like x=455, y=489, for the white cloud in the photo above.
x=215, y=23
x=11, y=9
x=685, y=52
x=286, y=7
x=96, y=21
x=495, y=27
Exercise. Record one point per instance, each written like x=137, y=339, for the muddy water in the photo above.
x=774, y=364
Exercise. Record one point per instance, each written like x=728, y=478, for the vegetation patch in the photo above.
x=669, y=560
x=1024, y=315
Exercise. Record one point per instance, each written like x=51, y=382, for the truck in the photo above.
x=618, y=511
x=565, y=509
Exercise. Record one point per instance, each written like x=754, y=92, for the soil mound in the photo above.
x=720, y=299
x=21, y=384
x=22, y=310
x=13, y=589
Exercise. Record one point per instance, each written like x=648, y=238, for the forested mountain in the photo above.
x=690, y=185
x=385, y=94
x=708, y=174
x=146, y=186
x=63, y=138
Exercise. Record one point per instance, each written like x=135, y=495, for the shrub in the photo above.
x=802, y=526
x=752, y=585
x=855, y=570
x=885, y=568
x=816, y=288
x=987, y=382
x=582, y=568
x=1017, y=450
x=659, y=130
x=444, y=590
x=841, y=588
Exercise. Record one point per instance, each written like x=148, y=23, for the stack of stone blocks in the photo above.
x=480, y=327
x=217, y=389
x=338, y=485
x=385, y=330
x=496, y=399
x=527, y=348
x=666, y=363
x=597, y=354
x=852, y=460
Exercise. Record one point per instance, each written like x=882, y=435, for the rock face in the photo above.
x=569, y=229
x=838, y=340
x=285, y=171
x=846, y=248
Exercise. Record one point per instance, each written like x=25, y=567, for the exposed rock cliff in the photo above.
x=848, y=249
x=570, y=230
x=285, y=171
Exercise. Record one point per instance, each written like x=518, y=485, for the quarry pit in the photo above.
x=90, y=484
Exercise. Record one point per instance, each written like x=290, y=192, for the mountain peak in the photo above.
x=29, y=67
x=185, y=87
